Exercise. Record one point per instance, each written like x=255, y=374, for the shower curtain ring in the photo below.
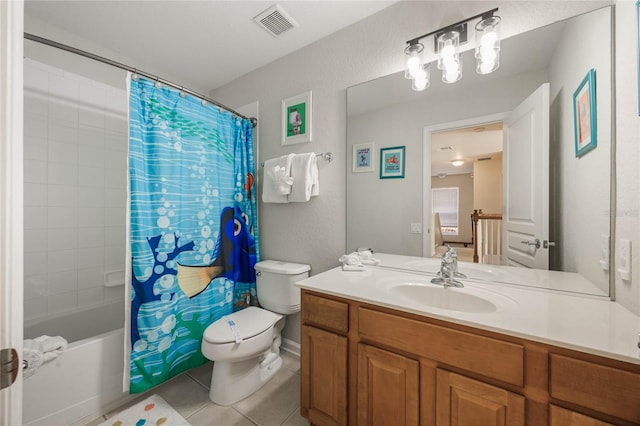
x=158, y=84
x=134, y=77
x=182, y=94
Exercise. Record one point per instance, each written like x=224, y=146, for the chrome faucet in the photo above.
x=449, y=270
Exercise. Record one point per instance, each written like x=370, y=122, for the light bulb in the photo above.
x=488, y=40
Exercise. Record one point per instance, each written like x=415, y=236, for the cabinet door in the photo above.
x=387, y=388
x=323, y=396
x=464, y=401
x=562, y=417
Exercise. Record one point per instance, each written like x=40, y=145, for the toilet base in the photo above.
x=233, y=381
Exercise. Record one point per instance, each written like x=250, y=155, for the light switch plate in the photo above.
x=416, y=228
x=604, y=250
x=624, y=269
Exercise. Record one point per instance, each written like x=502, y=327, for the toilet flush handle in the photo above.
x=258, y=273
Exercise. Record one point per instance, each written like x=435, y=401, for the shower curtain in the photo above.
x=193, y=235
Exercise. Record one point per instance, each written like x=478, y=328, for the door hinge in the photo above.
x=9, y=367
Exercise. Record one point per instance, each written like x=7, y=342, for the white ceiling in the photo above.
x=203, y=44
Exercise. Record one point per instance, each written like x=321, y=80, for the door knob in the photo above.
x=9, y=367
x=535, y=243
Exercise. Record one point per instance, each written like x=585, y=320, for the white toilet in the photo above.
x=245, y=346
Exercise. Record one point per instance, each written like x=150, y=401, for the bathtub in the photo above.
x=86, y=380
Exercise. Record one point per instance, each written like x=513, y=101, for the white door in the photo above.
x=526, y=182
x=11, y=269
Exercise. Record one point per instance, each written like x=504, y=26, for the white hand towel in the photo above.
x=277, y=179
x=52, y=346
x=302, y=172
x=315, y=176
x=33, y=354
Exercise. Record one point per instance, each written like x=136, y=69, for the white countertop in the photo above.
x=588, y=324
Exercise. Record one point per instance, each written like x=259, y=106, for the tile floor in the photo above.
x=276, y=403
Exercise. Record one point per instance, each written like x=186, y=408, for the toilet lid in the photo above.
x=249, y=322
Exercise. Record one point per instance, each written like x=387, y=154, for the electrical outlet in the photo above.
x=416, y=228
x=624, y=270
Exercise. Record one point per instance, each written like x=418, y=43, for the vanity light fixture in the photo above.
x=457, y=163
x=447, y=42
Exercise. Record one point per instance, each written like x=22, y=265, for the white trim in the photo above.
x=426, y=166
x=11, y=197
x=291, y=347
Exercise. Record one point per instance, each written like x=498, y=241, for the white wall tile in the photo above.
x=35, y=194
x=63, y=88
x=92, y=175
x=63, y=132
x=115, y=197
x=117, y=100
x=116, y=236
x=35, y=171
x=35, y=240
x=64, y=111
x=115, y=179
x=93, y=95
x=62, y=217
x=35, y=217
x=35, y=78
x=36, y=103
x=35, y=126
x=63, y=153
x=113, y=293
x=91, y=154
x=116, y=123
x=62, y=260
x=114, y=256
x=90, y=278
x=62, y=174
x=62, y=282
x=114, y=216
x=35, y=262
x=35, y=148
x=90, y=217
x=91, y=257
x=115, y=159
x=61, y=302
x=117, y=141
x=91, y=196
x=35, y=286
x=62, y=195
x=62, y=239
x=91, y=117
x=35, y=307
x=91, y=237
x=91, y=296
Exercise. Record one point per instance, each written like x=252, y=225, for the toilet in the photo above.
x=245, y=346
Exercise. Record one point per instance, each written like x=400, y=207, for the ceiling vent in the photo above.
x=446, y=148
x=484, y=158
x=275, y=20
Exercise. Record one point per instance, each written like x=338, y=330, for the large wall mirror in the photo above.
x=476, y=120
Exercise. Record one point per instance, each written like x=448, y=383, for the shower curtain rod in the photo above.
x=38, y=39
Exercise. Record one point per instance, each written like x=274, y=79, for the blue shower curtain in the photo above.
x=193, y=227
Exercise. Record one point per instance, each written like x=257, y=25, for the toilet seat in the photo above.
x=249, y=322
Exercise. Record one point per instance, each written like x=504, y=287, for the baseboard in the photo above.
x=291, y=347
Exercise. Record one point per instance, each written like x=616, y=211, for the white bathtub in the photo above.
x=86, y=380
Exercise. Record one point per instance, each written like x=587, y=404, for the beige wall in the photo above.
x=465, y=203
x=487, y=185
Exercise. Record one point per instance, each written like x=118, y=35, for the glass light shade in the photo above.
x=414, y=59
x=422, y=79
x=487, y=45
x=457, y=163
x=452, y=72
x=448, y=48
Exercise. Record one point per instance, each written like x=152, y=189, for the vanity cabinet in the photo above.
x=363, y=364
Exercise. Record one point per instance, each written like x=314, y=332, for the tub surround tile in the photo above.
x=35, y=171
x=35, y=217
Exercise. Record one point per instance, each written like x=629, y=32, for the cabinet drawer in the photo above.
x=598, y=387
x=325, y=313
x=483, y=355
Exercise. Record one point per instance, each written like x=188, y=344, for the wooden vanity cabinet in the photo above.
x=367, y=365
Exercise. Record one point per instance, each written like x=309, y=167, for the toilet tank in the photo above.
x=275, y=283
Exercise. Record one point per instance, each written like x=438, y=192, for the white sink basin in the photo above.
x=466, y=299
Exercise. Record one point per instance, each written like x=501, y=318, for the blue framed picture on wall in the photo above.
x=392, y=162
x=584, y=115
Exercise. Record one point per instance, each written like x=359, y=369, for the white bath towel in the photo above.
x=52, y=346
x=304, y=171
x=33, y=355
x=277, y=179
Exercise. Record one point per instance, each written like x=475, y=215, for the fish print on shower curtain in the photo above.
x=193, y=227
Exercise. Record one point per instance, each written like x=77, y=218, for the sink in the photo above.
x=467, y=299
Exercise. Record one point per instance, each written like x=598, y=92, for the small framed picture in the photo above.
x=584, y=115
x=363, y=157
x=392, y=162
x=296, y=119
